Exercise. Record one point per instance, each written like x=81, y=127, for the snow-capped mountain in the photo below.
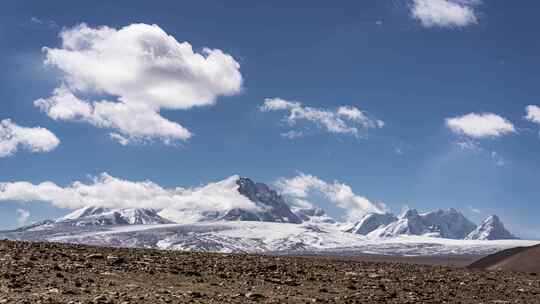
x=371, y=222
x=233, y=199
x=409, y=223
x=315, y=215
x=491, y=229
x=239, y=215
x=274, y=207
x=449, y=223
x=98, y=216
x=258, y=237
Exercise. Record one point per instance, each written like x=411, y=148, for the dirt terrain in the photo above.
x=55, y=273
x=522, y=259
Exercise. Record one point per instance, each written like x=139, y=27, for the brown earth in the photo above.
x=36, y=273
x=522, y=259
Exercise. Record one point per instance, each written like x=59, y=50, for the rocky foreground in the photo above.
x=58, y=273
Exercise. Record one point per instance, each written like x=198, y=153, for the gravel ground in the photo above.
x=56, y=273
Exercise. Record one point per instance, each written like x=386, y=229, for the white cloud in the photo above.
x=445, y=13
x=119, y=138
x=111, y=192
x=22, y=216
x=498, y=159
x=480, y=125
x=468, y=145
x=475, y=210
x=13, y=137
x=275, y=104
x=533, y=114
x=46, y=23
x=292, y=134
x=355, y=115
x=181, y=204
x=135, y=122
x=299, y=189
x=344, y=120
x=145, y=69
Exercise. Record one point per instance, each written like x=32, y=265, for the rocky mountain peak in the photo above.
x=274, y=208
x=410, y=214
x=445, y=223
x=491, y=229
x=372, y=221
x=100, y=216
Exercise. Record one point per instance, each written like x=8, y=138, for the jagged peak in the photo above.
x=409, y=213
x=96, y=215
x=493, y=219
x=492, y=228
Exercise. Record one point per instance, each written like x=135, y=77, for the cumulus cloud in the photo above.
x=111, y=192
x=182, y=204
x=36, y=140
x=480, y=125
x=300, y=188
x=344, y=120
x=445, y=13
x=22, y=216
x=135, y=122
x=144, y=70
x=533, y=114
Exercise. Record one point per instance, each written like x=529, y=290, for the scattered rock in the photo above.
x=77, y=274
x=254, y=296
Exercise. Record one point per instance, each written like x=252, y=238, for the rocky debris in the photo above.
x=58, y=273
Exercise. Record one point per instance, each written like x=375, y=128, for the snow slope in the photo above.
x=448, y=223
x=234, y=199
x=98, y=216
x=371, y=222
x=262, y=237
x=239, y=215
x=491, y=229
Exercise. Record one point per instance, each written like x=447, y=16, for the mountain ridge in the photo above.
x=268, y=224
x=492, y=228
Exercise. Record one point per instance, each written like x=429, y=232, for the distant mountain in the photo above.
x=448, y=223
x=240, y=215
x=98, y=216
x=371, y=222
x=275, y=209
x=315, y=215
x=409, y=223
x=491, y=229
x=232, y=199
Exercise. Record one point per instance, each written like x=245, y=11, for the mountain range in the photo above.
x=268, y=223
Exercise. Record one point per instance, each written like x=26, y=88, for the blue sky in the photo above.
x=411, y=69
